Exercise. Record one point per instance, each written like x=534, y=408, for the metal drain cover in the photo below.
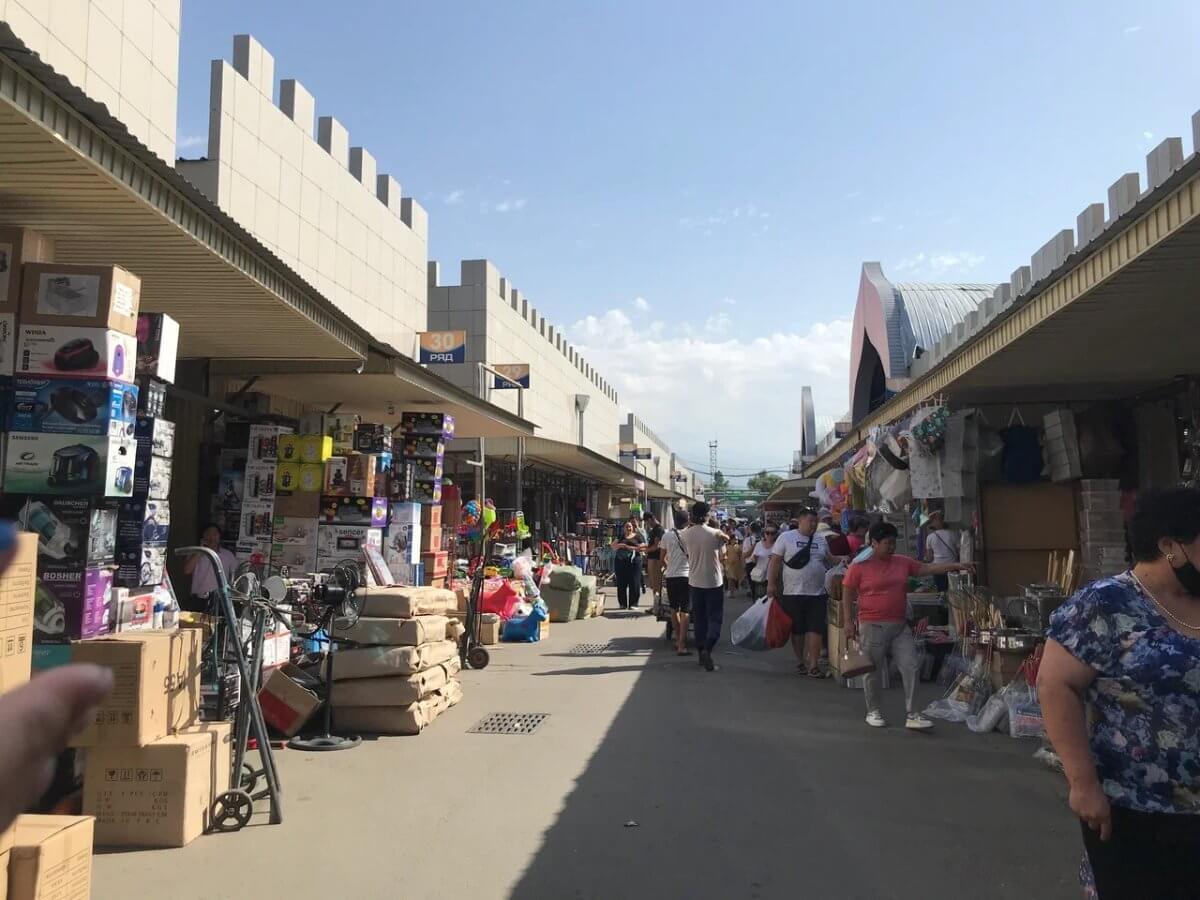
x=508, y=723
x=590, y=649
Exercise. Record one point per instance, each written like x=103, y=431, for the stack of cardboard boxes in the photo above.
x=152, y=769
x=400, y=675
x=424, y=454
x=1101, y=528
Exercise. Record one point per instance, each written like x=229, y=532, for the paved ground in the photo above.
x=745, y=783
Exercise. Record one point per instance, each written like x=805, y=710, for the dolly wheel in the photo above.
x=478, y=657
x=249, y=780
x=231, y=811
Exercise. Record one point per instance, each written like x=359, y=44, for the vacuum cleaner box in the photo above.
x=51, y=858
x=63, y=350
x=73, y=532
x=73, y=605
x=157, y=346
x=142, y=522
x=157, y=433
x=96, y=296
x=19, y=246
x=69, y=464
x=18, y=587
x=136, y=712
x=73, y=406
x=151, y=474
x=157, y=795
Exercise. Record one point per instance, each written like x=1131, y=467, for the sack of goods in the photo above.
x=401, y=673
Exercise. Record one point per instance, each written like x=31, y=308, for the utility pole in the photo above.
x=712, y=464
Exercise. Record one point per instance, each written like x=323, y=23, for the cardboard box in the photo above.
x=287, y=479
x=259, y=482
x=1005, y=667
x=73, y=406
x=152, y=396
x=142, y=522
x=373, y=438
x=132, y=610
x=337, y=476
x=151, y=474
x=8, y=346
x=186, y=646
x=426, y=469
x=155, y=433
x=140, y=566
x=69, y=464
x=158, y=795
x=440, y=424
x=489, y=632
x=360, y=475
x=312, y=477
x=73, y=532
x=405, y=513
x=423, y=446
x=287, y=448
x=19, y=246
x=17, y=589
x=222, y=753
x=158, y=346
x=431, y=538
x=73, y=605
x=135, y=713
x=59, y=350
x=426, y=491
x=299, y=505
x=371, y=511
x=51, y=858
x=435, y=563
x=299, y=558
x=80, y=296
x=431, y=514
x=295, y=532
x=256, y=521
x=346, y=541
x=287, y=704
x=315, y=448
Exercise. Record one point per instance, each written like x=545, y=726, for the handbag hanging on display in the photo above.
x=855, y=662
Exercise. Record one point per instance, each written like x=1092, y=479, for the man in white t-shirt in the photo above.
x=675, y=579
x=704, y=546
x=800, y=589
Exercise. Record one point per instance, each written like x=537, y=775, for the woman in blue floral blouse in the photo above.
x=1120, y=692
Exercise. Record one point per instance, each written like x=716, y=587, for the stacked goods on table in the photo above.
x=1062, y=445
x=88, y=464
x=1101, y=528
x=422, y=460
x=152, y=768
x=400, y=674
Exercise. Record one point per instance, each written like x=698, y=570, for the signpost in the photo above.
x=518, y=372
x=442, y=347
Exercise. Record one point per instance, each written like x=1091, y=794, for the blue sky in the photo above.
x=691, y=188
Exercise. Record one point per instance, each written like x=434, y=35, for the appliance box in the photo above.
x=51, y=858
x=314, y=448
x=426, y=491
x=152, y=396
x=338, y=542
x=264, y=441
x=427, y=423
x=61, y=350
x=140, y=567
x=157, y=433
x=158, y=345
x=423, y=446
x=298, y=505
x=426, y=469
x=73, y=406
x=337, y=476
x=19, y=246
x=73, y=606
x=8, y=342
x=259, y=483
x=295, y=532
x=143, y=522
x=371, y=511
x=256, y=522
x=18, y=590
x=151, y=474
x=73, y=532
x=302, y=559
x=132, y=610
x=312, y=477
x=373, y=438
x=287, y=448
x=69, y=464
x=287, y=478
x=81, y=296
x=403, y=542
x=405, y=513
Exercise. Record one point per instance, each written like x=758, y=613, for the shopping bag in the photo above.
x=779, y=626
x=749, y=630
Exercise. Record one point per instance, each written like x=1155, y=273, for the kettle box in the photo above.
x=73, y=532
x=73, y=406
x=75, y=352
x=38, y=463
x=75, y=295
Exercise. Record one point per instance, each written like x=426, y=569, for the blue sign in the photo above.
x=443, y=347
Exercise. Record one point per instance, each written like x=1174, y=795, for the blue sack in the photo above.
x=524, y=629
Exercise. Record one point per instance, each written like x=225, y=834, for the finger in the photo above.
x=1106, y=828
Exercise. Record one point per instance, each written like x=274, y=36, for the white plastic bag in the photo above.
x=749, y=630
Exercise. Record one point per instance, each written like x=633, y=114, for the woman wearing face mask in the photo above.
x=627, y=566
x=1120, y=692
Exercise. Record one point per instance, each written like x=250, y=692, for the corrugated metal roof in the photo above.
x=932, y=309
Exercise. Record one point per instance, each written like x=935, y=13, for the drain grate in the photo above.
x=509, y=723
x=590, y=649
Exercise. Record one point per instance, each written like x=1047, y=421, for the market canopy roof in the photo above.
x=1116, y=319
x=69, y=169
x=578, y=460
x=385, y=387
x=790, y=492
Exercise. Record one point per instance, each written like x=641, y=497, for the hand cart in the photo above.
x=472, y=653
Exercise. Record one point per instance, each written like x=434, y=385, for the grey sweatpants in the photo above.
x=879, y=640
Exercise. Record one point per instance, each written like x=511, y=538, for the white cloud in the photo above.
x=1148, y=135
x=876, y=219
x=729, y=301
x=694, y=384
x=510, y=205
x=455, y=197
x=853, y=194
x=1133, y=29
x=641, y=304
x=937, y=265
x=192, y=141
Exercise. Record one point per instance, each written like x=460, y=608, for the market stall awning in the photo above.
x=790, y=492
x=385, y=387
x=577, y=460
x=1115, y=320
x=69, y=169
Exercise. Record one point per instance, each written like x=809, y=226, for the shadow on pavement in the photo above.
x=753, y=783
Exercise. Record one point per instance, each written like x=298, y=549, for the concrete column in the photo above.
x=297, y=104
x=387, y=189
x=1090, y=223
x=362, y=167
x=334, y=139
x=1123, y=194
x=254, y=63
x=1163, y=161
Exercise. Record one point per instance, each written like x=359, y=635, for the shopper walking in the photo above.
x=753, y=536
x=654, y=568
x=857, y=536
x=704, y=545
x=627, y=567
x=735, y=566
x=941, y=546
x=675, y=572
x=1120, y=692
x=796, y=580
x=879, y=585
x=760, y=559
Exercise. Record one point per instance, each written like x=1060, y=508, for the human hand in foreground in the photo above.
x=1089, y=803
x=36, y=721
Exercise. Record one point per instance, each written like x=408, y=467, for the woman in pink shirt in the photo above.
x=880, y=585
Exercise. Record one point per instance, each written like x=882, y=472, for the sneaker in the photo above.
x=876, y=720
x=917, y=722
x=707, y=662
